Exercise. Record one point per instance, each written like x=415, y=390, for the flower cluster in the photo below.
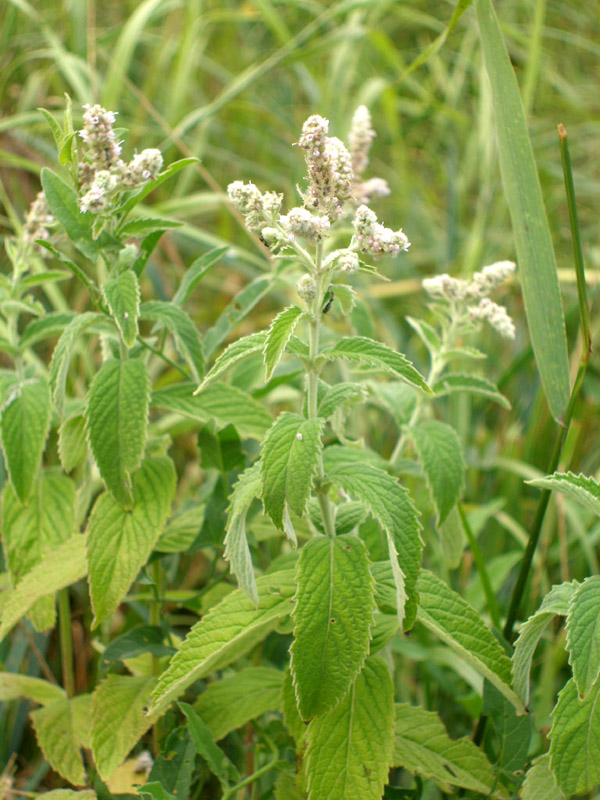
x=329, y=164
x=360, y=139
x=102, y=172
x=373, y=238
x=459, y=292
x=300, y=222
x=259, y=210
x=37, y=220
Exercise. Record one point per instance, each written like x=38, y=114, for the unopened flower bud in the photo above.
x=348, y=261
x=375, y=239
x=300, y=222
x=307, y=287
x=496, y=315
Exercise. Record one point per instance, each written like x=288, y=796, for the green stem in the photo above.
x=155, y=614
x=66, y=642
x=484, y=577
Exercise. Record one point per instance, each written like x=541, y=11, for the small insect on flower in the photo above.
x=299, y=437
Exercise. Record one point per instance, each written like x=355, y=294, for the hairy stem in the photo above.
x=66, y=642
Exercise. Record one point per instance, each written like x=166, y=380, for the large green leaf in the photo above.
x=61, y=357
x=535, y=254
x=391, y=506
x=333, y=615
x=231, y=702
x=584, y=490
x=60, y=568
x=422, y=746
x=350, y=747
x=119, y=540
x=216, y=760
x=583, y=634
x=30, y=532
x=290, y=454
x=236, y=550
x=64, y=204
x=178, y=322
x=54, y=726
x=278, y=335
x=440, y=453
x=368, y=352
x=229, y=630
x=236, y=352
x=24, y=425
x=575, y=740
x=540, y=783
x=227, y=404
x=14, y=686
x=122, y=296
x=72, y=442
x=117, y=419
x=457, y=624
x=118, y=719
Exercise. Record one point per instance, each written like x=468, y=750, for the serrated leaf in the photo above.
x=64, y=205
x=138, y=640
x=119, y=541
x=117, y=419
x=178, y=322
x=225, y=633
x=58, y=740
x=227, y=404
x=60, y=568
x=220, y=450
x=362, y=350
x=72, y=442
x=333, y=617
x=391, y=506
x=50, y=276
x=215, y=758
x=139, y=228
x=238, y=308
x=13, y=686
x=290, y=453
x=423, y=747
x=61, y=357
x=427, y=334
x=237, y=551
x=30, y=532
x=575, y=740
x=118, y=719
x=452, y=539
x=233, y=354
x=440, y=453
x=350, y=747
x=122, y=296
x=583, y=634
x=230, y=703
x=69, y=794
x=291, y=716
x=540, y=783
x=472, y=384
x=459, y=626
x=51, y=324
x=513, y=733
x=57, y=132
x=556, y=602
x=345, y=296
x=175, y=765
x=337, y=396
x=584, y=490
x=24, y=426
x=196, y=271
x=278, y=335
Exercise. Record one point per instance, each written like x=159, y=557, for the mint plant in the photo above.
x=304, y=647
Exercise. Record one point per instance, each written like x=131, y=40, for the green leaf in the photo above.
x=60, y=568
x=333, y=617
x=72, y=442
x=556, y=602
x=178, y=322
x=44, y=277
x=57, y=132
x=513, y=733
x=422, y=746
x=241, y=305
x=167, y=173
x=227, y=404
x=74, y=268
x=31, y=532
x=291, y=716
x=24, y=426
x=138, y=640
x=278, y=335
x=583, y=634
x=216, y=760
x=64, y=205
x=118, y=719
x=584, y=490
x=61, y=358
x=540, y=783
x=14, y=686
x=235, y=353
x=138, y=228
x=346, y=297
x=459, y=626
x=196, y=271
x=51, y=324
x=155, y=790
x=427, y=334
x=120, y=540
x=472, y=384
x=391, y=506
x=533, y=242
x=452, y=539
x=122, y=296
x=350, y=748
x=230, y=703
x=225, y=633
x=361, y=350
x=220, y=450
x=575, y=740
x=117, y=419
x=175, y=765
x=58, y=740
x=69, y=794
x=290, y=454
x=440, y=453
x=237, y=551
x=337, y=396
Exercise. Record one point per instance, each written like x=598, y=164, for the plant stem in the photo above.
x=155, y=613
x=66, y=641
x=484, y=577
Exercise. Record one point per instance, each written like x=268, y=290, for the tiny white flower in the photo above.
x=299, y=437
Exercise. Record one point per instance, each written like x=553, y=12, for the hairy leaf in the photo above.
x=584, y=490
x=472, y=384
x=440, y=453
x=72, y=442
x=217, y=761
x=61, y=358
x=337, y=396
x=122, y=296
x=58, y=740
x=583, y=634
x=64, y=205
x=13, y=686
x=540, y=783
x=278, y=335
x=237, y=551
x=236, y=352
x=178, y=322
